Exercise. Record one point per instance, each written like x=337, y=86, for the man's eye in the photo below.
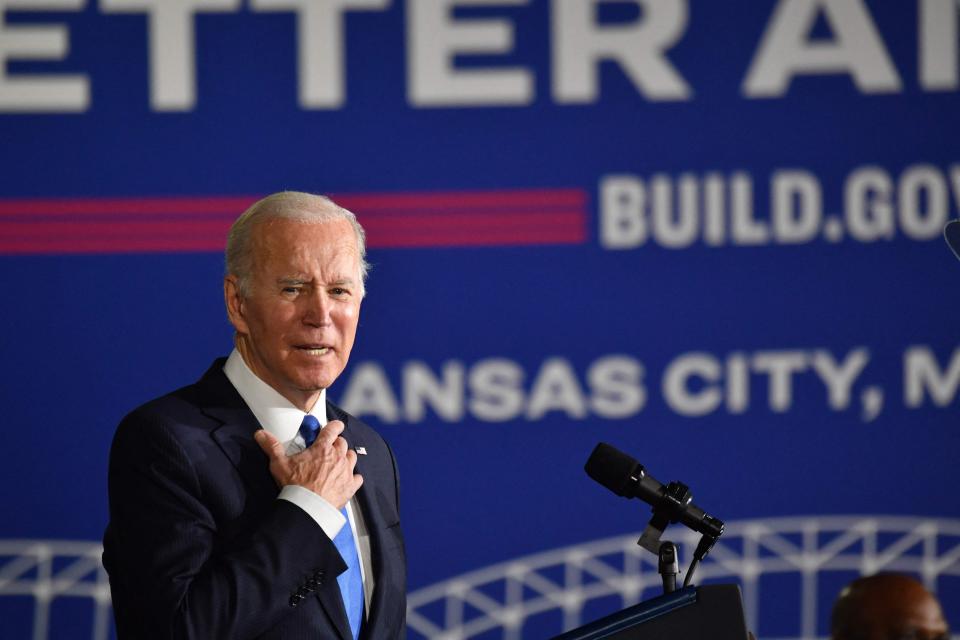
x=339, y=291
x=292, y=290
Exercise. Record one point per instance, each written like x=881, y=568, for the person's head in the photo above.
x=887, y=606
x=294, y=281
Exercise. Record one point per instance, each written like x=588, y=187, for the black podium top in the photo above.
x=713, y=612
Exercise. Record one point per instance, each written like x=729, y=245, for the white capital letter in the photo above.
x=434, y=39
x=677, y=393
x=780, y=367
x=616, y=383
x=496, y=390
x=35, y=92
x=787, y=49
x=369, y=393
x=173, y=85
x=444, y=395
x=622, y=203
x=745, y=229
x=867, y=204
x=938, y=45
x=556, y=389
x=320, y=37
x=838, y=378
x=678, y=228
x=580, y=44
x=797, y=206
x=923, y=202
x=922, y=375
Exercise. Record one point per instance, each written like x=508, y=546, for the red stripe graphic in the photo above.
x=199, y=224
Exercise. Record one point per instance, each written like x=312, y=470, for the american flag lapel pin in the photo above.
x=361, y=451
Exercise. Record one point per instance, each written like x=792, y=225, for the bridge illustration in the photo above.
x=502, y=600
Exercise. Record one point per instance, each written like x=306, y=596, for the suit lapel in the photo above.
x=373, y=513
x=377, y=515
x=234, y=436
x=331, y=599
x=235, y=439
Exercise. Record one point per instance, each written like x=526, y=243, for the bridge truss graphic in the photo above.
x=50, y=570
x=506, y=600
x=499, y=601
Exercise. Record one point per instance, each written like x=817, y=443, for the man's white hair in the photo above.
x=288, y=205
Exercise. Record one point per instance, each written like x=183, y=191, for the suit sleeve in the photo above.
x=174, y=573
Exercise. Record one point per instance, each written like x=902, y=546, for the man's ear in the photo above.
x=233, y=300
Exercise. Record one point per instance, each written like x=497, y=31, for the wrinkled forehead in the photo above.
x=330, y=232
x=905, y=611
x=284, y=240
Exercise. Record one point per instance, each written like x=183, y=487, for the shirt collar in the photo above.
x=275, y=413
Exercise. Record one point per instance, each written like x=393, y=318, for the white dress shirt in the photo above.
x=278, y=416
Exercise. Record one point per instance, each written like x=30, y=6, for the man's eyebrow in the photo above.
x=291, y=280
x=342, y=280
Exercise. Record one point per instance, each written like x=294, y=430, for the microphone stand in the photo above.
x=675, y=498
x=668, y=566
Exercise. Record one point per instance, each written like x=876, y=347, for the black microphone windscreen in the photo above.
x=612, y=468
x=951, y=234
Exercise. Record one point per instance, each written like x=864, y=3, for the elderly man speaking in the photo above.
x=246, y=505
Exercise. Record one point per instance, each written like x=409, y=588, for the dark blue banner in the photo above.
x=706, y=233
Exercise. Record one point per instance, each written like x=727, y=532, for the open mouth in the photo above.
x=313, y=350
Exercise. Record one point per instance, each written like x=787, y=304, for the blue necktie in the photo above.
x=350, y=581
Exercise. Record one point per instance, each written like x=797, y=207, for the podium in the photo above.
x=712, y=612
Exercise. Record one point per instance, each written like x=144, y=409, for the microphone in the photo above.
x=951, y=233
x=627, y=478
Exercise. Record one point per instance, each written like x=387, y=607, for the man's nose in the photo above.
x=316, y=311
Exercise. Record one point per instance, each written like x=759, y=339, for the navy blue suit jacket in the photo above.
x=199, y=546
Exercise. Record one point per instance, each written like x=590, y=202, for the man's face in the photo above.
x=893, y=607
x=909, y=615
x=296, y=326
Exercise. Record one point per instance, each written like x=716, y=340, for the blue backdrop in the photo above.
x=707, y=233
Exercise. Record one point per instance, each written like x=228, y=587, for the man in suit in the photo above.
x=230, y=516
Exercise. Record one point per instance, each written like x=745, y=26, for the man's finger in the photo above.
x=330, y=433
x=269, y=443
x=340, y=446
x=351, y=458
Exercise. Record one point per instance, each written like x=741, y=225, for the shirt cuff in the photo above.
x=323, y=513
